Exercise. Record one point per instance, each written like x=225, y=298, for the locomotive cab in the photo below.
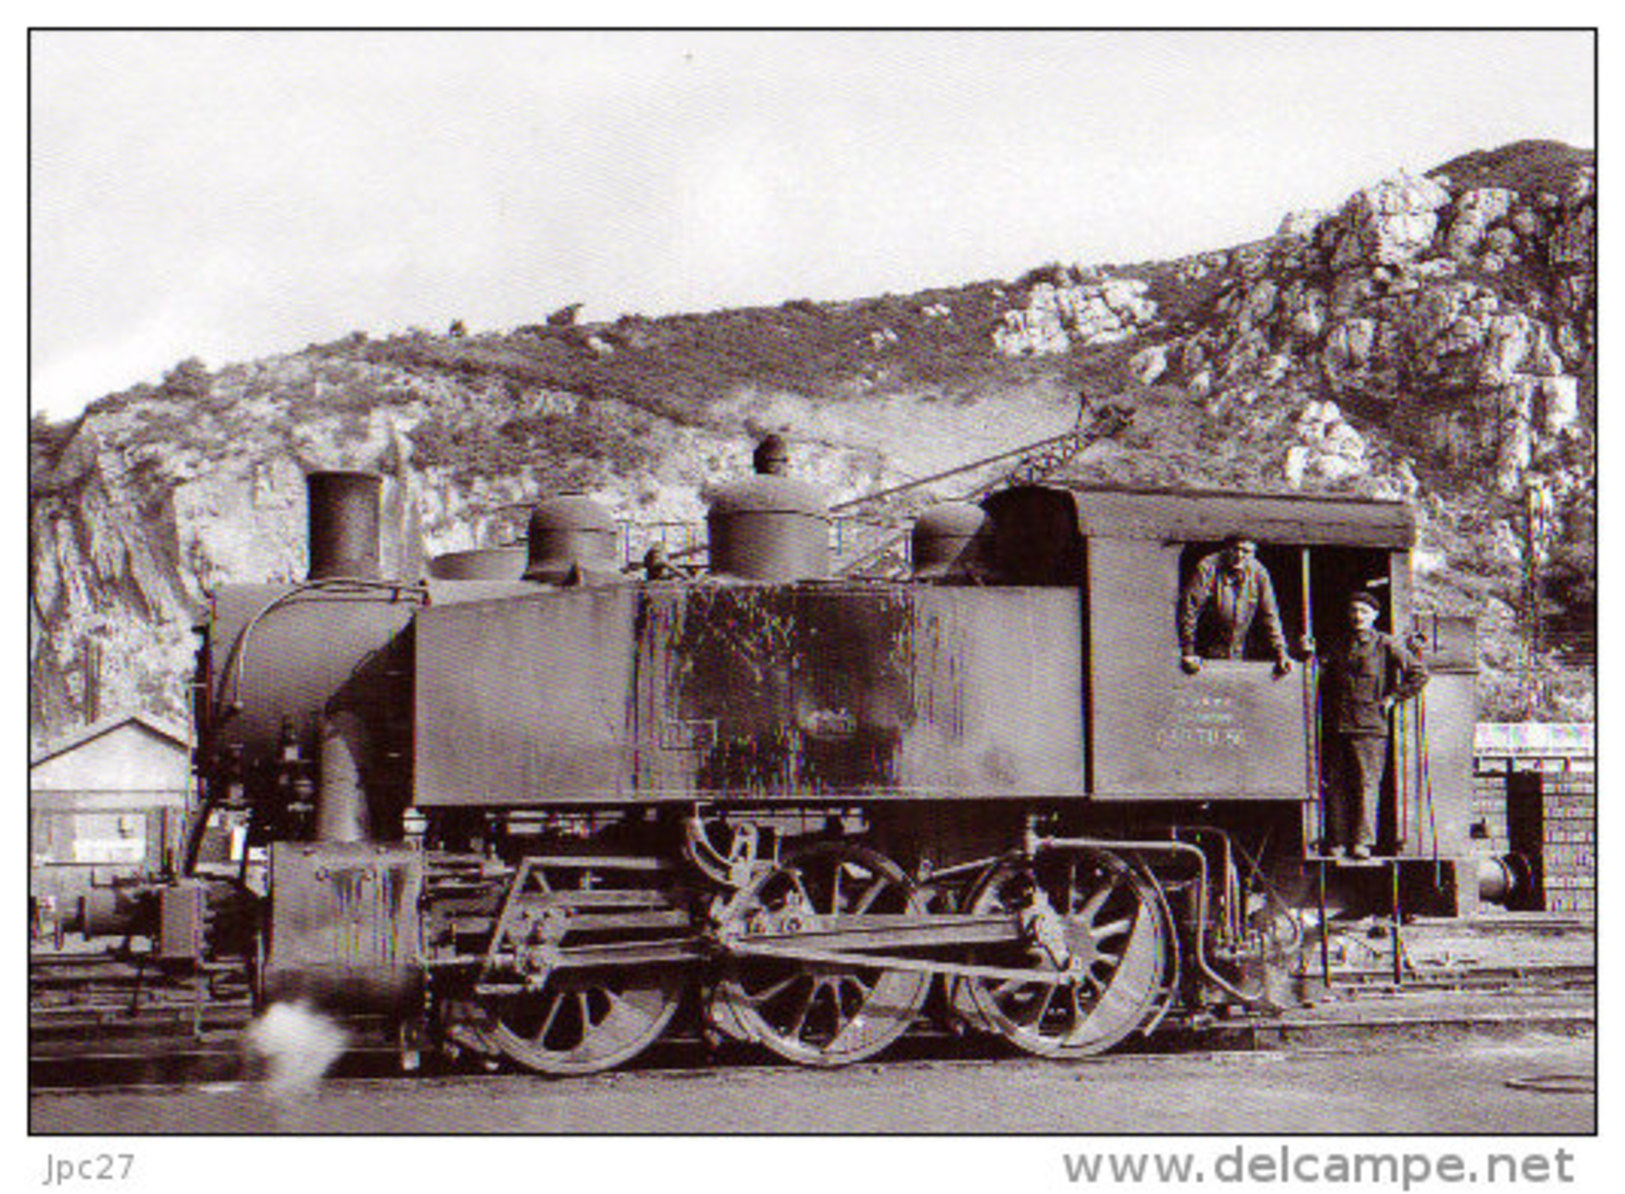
x=1235, y=733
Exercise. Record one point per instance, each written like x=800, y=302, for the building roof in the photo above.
x=107, y=725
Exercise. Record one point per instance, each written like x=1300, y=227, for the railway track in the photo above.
x=174, y=1041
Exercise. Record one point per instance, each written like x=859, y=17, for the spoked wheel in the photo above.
x=1092, y=920
x=818, y=1012
x=584, y=1022
x=557, y=1018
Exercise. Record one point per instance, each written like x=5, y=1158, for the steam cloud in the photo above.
x=298, y=1045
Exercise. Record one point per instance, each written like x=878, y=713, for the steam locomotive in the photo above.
x=531, y=806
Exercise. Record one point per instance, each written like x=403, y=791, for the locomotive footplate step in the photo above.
x=1488, y=1011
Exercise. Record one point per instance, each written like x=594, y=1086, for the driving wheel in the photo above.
x=1093, y=922
x=583, y=1022
x=822, y=1013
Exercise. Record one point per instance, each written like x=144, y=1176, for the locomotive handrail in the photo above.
x=905, y=486
x=1425, y=779
x=1037, y=461
x=356, y=587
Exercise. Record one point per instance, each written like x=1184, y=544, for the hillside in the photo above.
x=1433, y=339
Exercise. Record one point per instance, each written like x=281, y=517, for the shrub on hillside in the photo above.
x=1524, y=166
x=187, y=380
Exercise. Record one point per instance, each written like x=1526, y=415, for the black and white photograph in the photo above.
x=739, y=608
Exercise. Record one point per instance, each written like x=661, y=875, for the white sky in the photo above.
x=232, y=195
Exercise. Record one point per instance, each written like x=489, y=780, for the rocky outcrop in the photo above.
x=1328, y=449
x=1392, y=222
x=1458, y=321
x=1057, y=318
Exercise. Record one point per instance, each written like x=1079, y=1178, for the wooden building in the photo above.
x=109, y=801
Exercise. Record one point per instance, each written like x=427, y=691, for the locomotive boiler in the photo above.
x=535, y=806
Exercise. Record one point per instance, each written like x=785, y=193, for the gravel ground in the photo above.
x=1461, y=1088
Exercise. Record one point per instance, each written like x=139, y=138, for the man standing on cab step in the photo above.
x=1366, y=677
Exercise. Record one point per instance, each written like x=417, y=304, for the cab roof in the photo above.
x=1280, y=519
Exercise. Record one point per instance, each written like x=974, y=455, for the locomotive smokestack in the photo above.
x=344, y=524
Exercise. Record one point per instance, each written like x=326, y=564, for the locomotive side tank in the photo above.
x=716, y=692
x=763, y=681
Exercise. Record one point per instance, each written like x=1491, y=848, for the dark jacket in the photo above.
x=1217, y=608
x=1360, y=673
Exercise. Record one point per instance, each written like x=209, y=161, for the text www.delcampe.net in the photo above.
x=1285, y=1164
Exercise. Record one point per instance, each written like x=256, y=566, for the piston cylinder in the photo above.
x=118, y=911
x=344, y=520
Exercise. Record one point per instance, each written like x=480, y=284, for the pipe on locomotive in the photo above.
x=1036, y=842
x=342, y=757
